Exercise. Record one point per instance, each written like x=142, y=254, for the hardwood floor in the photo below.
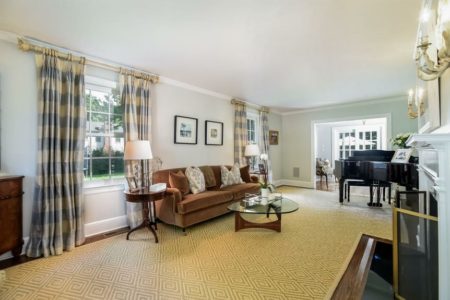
x=11, y=262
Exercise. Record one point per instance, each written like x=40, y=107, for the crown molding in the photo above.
x=393, y=98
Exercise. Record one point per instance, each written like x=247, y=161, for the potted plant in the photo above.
x=400, y=139
x=265, y=185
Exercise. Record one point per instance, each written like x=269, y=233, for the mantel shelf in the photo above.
x=427, y=141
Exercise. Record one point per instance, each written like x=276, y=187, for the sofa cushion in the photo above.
x=193, y=202
x=196, y=179
x=210, y=179
x=239, y=190
x=245, y=174
x=230, y=177
x=179, y=180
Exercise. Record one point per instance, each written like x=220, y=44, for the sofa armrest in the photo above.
x=254, y=179
x=172, y=198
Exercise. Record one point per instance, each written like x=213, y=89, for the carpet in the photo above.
x=212, y=262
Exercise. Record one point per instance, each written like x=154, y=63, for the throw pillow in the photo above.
x=196, y=180
x=245, y=174
x=230, y=177
x=179, y=181
x=210, y=179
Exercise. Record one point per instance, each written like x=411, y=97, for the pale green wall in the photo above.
x=296, y=132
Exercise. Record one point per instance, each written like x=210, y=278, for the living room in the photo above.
x=205, y=55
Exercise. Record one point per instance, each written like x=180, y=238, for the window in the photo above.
x=104, y=143
x=349, y=139
x=251, y=131
x=252, y=136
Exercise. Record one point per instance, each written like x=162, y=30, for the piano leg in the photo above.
x=341, y=190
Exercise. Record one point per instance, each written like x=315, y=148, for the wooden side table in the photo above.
x=145, y=197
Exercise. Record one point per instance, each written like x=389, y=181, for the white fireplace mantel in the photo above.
x=440, y=142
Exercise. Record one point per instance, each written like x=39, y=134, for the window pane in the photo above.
x=374, y=135
x=361, y=135
x=98, y=125
x=98, y=101
x=117, y=166
x=367, y=147
x=367, y=135
x=100, y=168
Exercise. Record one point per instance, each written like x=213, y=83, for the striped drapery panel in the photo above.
x=264, y=140
x=240, y=133
x=135, y=95
x=57, y=219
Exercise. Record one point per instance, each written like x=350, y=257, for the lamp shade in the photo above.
x=251, y=150
x=136, y=150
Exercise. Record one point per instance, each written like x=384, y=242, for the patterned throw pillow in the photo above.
x=230, y=177
x=196, y=179
x=179, y=180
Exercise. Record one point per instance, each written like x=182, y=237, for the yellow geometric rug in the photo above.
x=212, y=261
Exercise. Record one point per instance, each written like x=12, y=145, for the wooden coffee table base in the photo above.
x=241, y=223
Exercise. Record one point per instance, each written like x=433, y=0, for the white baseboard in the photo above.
x=298, y=183
x=106, y=225
x=9, y=254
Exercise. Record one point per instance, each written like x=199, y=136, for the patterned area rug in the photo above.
x=212, y=261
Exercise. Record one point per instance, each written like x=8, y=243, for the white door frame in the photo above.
x=314, y=124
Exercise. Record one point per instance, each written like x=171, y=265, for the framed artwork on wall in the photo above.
x=430, y=118
x=185, y=130
x=273, y=137
x=213, y=133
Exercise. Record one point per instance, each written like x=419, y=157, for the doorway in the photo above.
x=338, y=139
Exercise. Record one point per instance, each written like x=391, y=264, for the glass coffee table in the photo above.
x=258, y=205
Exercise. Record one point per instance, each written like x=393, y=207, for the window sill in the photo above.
x=99, y=186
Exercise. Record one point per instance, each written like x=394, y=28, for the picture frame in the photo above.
x=185, y=130
x=401, y=155
x=273, y=137
x=430, y=119
x=213, y=133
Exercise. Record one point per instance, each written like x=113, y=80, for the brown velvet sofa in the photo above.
x=184, y=211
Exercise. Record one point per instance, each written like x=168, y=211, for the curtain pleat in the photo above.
x=57, y=223
x=240, y=133
x=135, y=94
x=264, y=140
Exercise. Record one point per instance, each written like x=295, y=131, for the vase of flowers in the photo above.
x=400, y=139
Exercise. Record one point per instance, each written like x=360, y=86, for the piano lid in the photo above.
x=372, y=155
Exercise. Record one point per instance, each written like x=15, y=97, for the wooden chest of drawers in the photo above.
x=11, y=192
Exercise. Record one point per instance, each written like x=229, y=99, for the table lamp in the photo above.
x=251, y=150
x=138, y=150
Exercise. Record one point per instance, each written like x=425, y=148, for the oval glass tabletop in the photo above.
x=264, y=206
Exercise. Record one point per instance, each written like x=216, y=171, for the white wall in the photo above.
x=324, y=146
x=297, y=130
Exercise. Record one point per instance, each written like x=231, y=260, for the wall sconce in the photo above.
x=435, y=37
x=418, y=103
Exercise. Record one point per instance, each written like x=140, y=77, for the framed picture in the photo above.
x=185, y=130
x=213, y=133
x=273, y=137
x=401, y=156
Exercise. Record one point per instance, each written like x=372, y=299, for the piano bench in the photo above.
x=356, y=182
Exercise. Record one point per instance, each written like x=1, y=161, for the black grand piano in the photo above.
x=374, y=166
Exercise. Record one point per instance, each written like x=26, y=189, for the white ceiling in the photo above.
x=280, y=53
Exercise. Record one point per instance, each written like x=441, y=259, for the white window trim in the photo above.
x=381, y=136
x=101, y=85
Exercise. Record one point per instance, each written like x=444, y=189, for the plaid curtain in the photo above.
x=264, y=139
x=135, y=93
x=57, y=218
x=240, y=132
